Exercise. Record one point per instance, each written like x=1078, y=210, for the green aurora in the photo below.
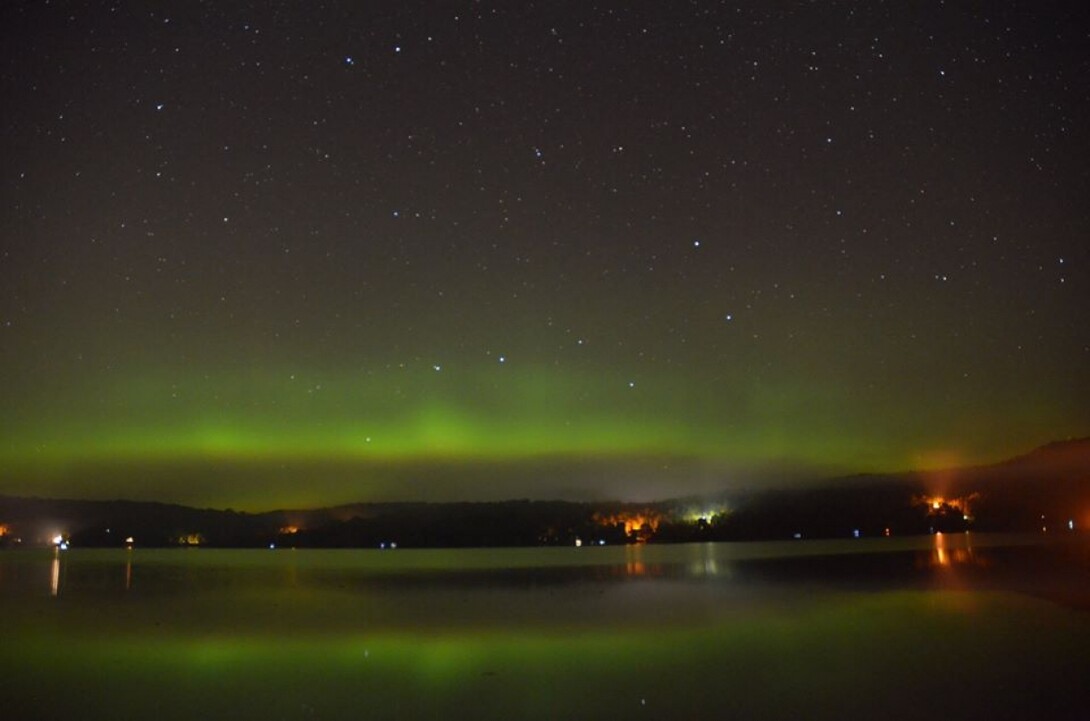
x=667, y=251
x=475, y=431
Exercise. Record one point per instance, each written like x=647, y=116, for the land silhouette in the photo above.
x=1044, y=491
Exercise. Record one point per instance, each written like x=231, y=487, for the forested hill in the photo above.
x=1048, y=488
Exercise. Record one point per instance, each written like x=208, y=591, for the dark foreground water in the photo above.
x=943, y=627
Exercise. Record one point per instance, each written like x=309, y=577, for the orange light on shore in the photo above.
x=4, y=530
x=635, y=523
x=938, y=504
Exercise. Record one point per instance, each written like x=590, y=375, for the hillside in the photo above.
x=1046, y=488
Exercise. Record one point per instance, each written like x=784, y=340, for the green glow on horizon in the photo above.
x=469, y=414
x=640, y=283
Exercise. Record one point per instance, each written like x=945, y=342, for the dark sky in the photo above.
x=257, y=255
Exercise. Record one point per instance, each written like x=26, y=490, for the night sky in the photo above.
x=290, y=254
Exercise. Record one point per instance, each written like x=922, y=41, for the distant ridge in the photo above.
x=1071, y=443
x=1075, y=452
x=1048, y=486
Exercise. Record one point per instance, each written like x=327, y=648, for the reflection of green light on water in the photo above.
x=842, y=654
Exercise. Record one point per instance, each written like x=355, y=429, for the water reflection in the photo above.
x=55, y=574
x=634, y=565
x=706, y=565
x=948, y=559
x=952, y=550
x=229, y=629
x=693, y=561
x=941, y=557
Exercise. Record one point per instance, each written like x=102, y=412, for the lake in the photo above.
x=958, y=626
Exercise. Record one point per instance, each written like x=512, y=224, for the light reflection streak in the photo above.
x=950, y=550
x=55, y=574
x=940, y=550
x=634, y=565
x=707, y=565
x=128, y=569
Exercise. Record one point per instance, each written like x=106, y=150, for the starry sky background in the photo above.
x=291, y=254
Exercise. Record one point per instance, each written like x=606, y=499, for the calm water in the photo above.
x=955, y=626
